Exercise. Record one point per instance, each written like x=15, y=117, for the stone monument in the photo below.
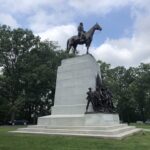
x=74, y=77
x=76, y=110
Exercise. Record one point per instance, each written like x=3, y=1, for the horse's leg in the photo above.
x=68, y=50
x=74, y=48
x=87, y=46
x=87, y=49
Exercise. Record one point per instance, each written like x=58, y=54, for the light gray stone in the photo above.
x=101, y=119
x=74, y=77
x=98, y=119
x=113, y=132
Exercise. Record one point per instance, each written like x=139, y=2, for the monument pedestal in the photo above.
x=94, y=119
x=74, y=77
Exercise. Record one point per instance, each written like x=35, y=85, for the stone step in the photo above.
x=87, y=134
x=127, y=133
x=80, y=131
x=80, y=127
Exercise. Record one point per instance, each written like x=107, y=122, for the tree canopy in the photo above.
x=29, y=73
x=131, y=90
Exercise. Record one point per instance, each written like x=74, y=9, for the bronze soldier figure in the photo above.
x=89, y=99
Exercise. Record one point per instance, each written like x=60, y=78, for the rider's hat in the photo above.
x=81, y=23
x=90, y=88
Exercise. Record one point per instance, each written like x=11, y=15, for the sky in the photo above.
x=123, y=41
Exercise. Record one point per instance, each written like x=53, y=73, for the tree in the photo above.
x=13, y=45
x=3, y=100
x=29, y=73
x=119, y=79
x=141, y=91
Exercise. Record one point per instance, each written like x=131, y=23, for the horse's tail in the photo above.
x=67, y=48
x=67, y=45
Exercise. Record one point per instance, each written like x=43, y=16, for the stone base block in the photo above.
x=96, y=119
x=61, y=120
x=99, y=119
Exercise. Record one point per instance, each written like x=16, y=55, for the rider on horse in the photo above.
x=81, y=32
x=82, y=37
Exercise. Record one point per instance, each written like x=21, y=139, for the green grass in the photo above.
x=144, y=126
x=16, y=141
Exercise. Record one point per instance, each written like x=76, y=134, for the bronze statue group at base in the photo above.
x=101, y=98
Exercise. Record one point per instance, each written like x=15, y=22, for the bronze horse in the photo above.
x=75, y=40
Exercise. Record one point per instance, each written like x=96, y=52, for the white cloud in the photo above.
x=27, y=6
x=128, y=51
x=98, y=7
x=104, y=7
x=59, y=33
x=113, y=53
x=8, y=20
x=42, y=20
x=39, y=21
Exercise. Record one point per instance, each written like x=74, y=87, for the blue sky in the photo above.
x=115, y=25
x=124, y=40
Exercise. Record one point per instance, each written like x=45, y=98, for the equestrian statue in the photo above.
x=82, y=37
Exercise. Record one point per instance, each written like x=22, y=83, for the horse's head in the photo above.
x=97, y=27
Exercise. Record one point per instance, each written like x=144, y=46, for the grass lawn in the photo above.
x=16, y=141
x=144, y=126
